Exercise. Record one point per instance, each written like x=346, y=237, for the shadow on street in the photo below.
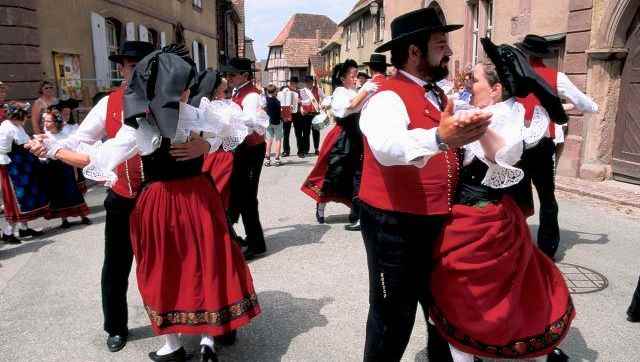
x=293, y=235
x=283, y=318
x=571, y=238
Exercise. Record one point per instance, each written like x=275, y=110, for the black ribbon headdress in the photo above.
x=207, y=82
x=158, y=80
x=519, y=78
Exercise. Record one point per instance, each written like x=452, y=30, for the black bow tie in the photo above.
x=442, y=98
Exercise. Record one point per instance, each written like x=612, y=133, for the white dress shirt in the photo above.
x=289, y=98
x=385, y=121
x=568, y=90
x=341, y=100
x=253, y=111
x=10, y=132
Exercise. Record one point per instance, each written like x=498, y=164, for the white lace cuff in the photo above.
x=93, y=170
x=538, y=127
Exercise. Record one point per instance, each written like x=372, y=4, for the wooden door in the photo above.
x=626, y=146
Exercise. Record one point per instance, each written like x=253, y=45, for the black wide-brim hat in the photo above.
x=535, y=45
x=422, y=21
x=238, y=65
x=66, y=103
x=208, y=81
x=134, y=50
x=153, y=94
x=377, y=59
x=517, y=76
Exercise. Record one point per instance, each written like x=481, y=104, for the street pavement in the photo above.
x=312, y=286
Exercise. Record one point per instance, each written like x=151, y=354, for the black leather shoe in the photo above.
x=285, y=154
x=179, y=355
x=207, y=354
x=29, y=232
x=557, y=356
x=353, y=227
x=228, y=339
x=633, y=319
x=319, y=216
x=251, y=254
x=300, y=155
x=86, y=221
x=116, y=342
x=65, y=224
x=10, y=239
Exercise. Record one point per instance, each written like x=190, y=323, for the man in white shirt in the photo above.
x=539, y=161
x=310, y=99
x=289, y=101
x=408, y=181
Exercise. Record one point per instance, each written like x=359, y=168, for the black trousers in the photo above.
x=634, y=308
x=306, y=133
x=399, y=259
x=118, y=258
x=316, y=139
x=538, y=165
x=245, y=178
x=302, y=136
x=286, y=145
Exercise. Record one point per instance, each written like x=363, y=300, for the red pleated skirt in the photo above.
x=12, y=212
x=219, y=165
x=495, y=294
x=312, y=186
x=192, y=278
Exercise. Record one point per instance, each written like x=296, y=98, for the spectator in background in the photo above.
x=47, y=99
x=310, y=98
x=274, y=131
x=362, y=79
x=66, y=107
x=289, y=99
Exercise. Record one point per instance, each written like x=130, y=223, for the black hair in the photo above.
x=400, y=51
x=378, y=68
x=340, y=70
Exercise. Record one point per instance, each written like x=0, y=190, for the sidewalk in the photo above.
x=613, y=191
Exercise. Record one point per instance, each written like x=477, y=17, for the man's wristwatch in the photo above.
x=442, y=146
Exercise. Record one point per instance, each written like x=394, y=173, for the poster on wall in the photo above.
x=68, y=75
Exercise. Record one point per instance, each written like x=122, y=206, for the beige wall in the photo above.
x=65, y=26
x=355, y=52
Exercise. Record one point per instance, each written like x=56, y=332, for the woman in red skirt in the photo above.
x=192, y=277
x=22, y=176
x=336, y=175
x=494, y=293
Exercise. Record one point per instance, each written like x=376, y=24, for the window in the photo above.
x=197, y=4
x=380, y=25
x=154, y=37
x=347, y=45
x=488, y=8
x=361, y=32
x=475, y=39
x=113, y=29
x=202, y=56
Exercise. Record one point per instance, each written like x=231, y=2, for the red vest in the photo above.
x=408, y=189
x=531, y=101
x=129, y=172
x=309, y=108
x=254, y=138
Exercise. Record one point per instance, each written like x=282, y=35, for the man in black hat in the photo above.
x=247, y=159
x=539, y=161
x=409, y=174
x=298, y=118
x=103, y=121
x=377, y=67
x=310, y=99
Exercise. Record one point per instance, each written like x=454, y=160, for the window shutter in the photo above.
x=206, y=57
x=100, y=52
x=163, y=39
x=196, y=55
x=131, y=31
x=143, y=33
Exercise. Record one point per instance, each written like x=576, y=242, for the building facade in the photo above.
x=363, y=30
x=69, y=41
x=303, y=36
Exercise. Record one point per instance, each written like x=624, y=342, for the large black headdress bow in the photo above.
x=517, y=76
x=153, y=95
x=207, y=82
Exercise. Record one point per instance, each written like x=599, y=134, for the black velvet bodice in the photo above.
x=161, y=166
x=471, y=191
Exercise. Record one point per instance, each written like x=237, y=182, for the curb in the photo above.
x=602, y=195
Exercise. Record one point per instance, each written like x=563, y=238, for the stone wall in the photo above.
x=19, y=48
